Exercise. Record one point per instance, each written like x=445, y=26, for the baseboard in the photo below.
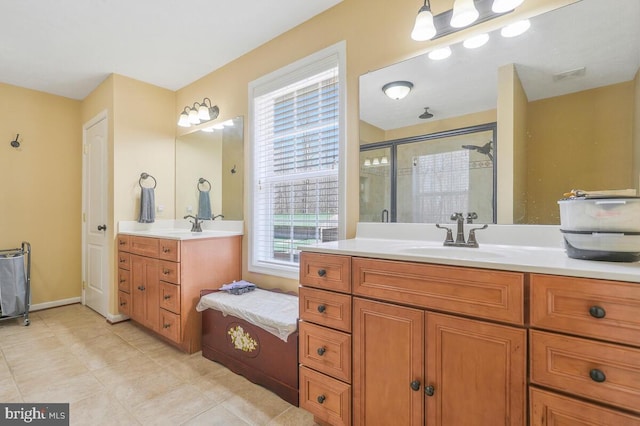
x=54, y=304
x=116, y=318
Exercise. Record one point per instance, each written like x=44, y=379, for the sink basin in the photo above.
x=455, y=252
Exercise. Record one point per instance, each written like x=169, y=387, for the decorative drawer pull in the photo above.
x=597, y=375
x=322, y=308
x=167, y=297
x=141, y=287
x=597, y=312
x=166, y=325
x=165, y=271
x=322, y=272
x=121, y=242
x=123, y=260
x=321, y=351
x=321, y=399
x=122, y=280
x=123, y=303
x=429, y=390
x=166, y=250
x=415, y=385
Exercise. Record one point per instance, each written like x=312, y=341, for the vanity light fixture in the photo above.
x=426, y=114
x=198, y=112
x=397, y=89
x=376, y=162
x=439, y=54
x=515, y=29
x=464, y=13
x=501, y=6
x=476, y=41
x=424, y=29
x=367, y=162
x=384, y=160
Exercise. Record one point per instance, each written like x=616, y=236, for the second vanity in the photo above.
x=161, y=271
x=397, y=329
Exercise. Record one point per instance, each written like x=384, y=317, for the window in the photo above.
x=296, y=141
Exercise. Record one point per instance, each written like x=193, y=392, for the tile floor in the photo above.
x=120, y=375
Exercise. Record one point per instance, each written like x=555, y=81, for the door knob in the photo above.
x=102, y=227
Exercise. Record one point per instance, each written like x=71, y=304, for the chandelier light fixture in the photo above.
x=463, y=14
x=197, y=113
x=397, y=89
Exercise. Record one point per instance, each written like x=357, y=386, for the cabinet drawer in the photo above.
x=123, y=242
x=606, y=310
x=327, y=271
x=124, y=303
x=143, y=246
x=170, y=297
x=549, y=409
x=326, y=350
x=124, y=280
x=325, y=308
x=169, y=325
x=326, y=398
x=169, y=250
x=495, y=295
x=573, y=365
x=124, y=260
x=170, y=271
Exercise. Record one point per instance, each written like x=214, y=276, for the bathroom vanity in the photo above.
x=410, y=332
x=161, y=274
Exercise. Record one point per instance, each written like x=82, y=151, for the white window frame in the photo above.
x=272, y=81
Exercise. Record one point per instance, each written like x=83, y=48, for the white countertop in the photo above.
x=181, y=229
x=523, y=248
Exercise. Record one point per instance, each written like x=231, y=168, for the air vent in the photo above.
x=566, y=75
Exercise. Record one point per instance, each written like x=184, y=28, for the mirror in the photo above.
x=217, y=157
x=575, y=86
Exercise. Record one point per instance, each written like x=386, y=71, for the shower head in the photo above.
x=484, y=149
x=426, y=114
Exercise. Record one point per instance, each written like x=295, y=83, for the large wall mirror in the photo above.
x=217, y=158
x=574, y=107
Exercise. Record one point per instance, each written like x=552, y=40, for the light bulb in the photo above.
x=424, y=29
x=515, y=29
x=384, y=160
x=193, y=117
x=476, y=41
x=367, y=162
x=376, y=162
x=501, y=6
x=203, y=113
x=464, y=13
x=440, y=54
x=184, y=120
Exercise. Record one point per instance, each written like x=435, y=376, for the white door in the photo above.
x=95, y=250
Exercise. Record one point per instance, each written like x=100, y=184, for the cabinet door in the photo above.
x=476, y=372
x=388, y=356
x=144, y=291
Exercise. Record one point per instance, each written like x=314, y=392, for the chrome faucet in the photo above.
x=459, y=241
x=196, y=225
x=218, y=215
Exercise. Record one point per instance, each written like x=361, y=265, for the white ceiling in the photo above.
x=68, y=47
x=604, y=38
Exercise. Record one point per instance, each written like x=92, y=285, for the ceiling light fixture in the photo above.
x=426, y=114
x=197, y=113
x=515, y=29
x=476, y=41
x=439, y=54
x=397, y=89
x=501, y=6
x=424, y=29
x=464, y=13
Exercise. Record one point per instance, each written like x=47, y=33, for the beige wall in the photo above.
x=636, y=132
x=575, y=143
x=41, y=187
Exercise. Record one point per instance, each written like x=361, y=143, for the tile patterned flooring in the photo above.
x=121, y=375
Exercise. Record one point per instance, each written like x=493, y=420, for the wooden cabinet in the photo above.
x=325, y=337
x=159, y=282
x=585, y=342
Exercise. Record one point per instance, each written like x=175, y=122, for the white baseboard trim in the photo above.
x=54, y=304
x=116, y=318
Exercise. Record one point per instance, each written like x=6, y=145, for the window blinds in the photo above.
x=296, y=155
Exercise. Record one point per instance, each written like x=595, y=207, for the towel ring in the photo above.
x=144, y=176
x=202, y=181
